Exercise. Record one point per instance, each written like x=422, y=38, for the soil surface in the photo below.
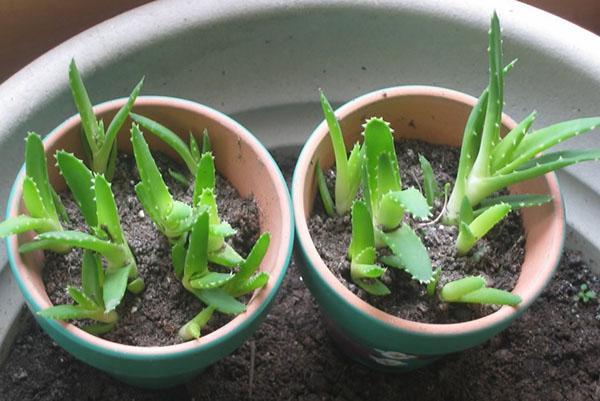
x=498, y=256
x=551, y=353
x=155, y=315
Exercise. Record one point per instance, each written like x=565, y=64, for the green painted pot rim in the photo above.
x=316, y=266
x=213, y=339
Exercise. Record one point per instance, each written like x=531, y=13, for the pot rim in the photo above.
x=213, y=339
x=304, y=239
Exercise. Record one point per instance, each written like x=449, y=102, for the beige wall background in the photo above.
x=29, y=28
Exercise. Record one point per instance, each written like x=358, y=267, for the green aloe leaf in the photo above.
x=328, y=204
x=432, y=285
x=80, y=181
x=169, y=137
x=178, y=253
x=411, y=200
x=196, y=260
x=180, y=178
x=466, y=212
x=255, y=282
x=68, y=312
x=35, y=168
x=211, y=280
x=481, y=225
x=454, y=290
x=367, y=271
x=491, y=296
x=362, y=230
x=82, y=299
x=92, y=277
x=220, y=300
x=430, y=185
x=106, y=208
x=115, y=284
x=538, y=141
x=410, y=253
x=23, y=223
x=194, y=149
x=225, y=256
x=33, y=199
x=516, y=201
x=84, y=107
x=249, y=266
x=205, y=176
x=191, y=329
x=157, y=190
x=60, y=208
x=221, y=230
x=206, y=146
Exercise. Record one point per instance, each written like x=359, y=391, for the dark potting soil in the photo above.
x=550, y=353
x=497, y=256
x=155, y=315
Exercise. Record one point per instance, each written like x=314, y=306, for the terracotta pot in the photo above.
x=240, y=158
x=367, y=334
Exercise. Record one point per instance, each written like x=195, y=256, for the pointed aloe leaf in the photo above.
x=516, y=201
x=192, y=328
x=255, y=282
x=342, y=182
x=180, y=178
x=366, y=271
x=222, y=230
x=35, y=168
x=157, y=191
x=220, y=300
x=503, y=151
x=454, y=290
x=196, y=261
x=251, y=264
x=373, y=286
x=80, y=181
x=535, y=168
x=115, y=126
x=23, y=223
x=540, y=140
x=144, y=195
x=67, y=312
x=413, y=201
x=84, y=107
x=169, y=137
x=390, y=212
x=491, y=126
x=99, y=329
x=33, y=199
x=112, y=162
x=432, y=285
x=480, y=226
x=92, y=277
x=491, y=296
x=194, y=149
x=115, y=284
x=211, y=280
x=205, y=176
x=114, y=253
x=225, y=256
x=108, y=216
x=378, y=141
x=412, y=254
x=387, y=174
x=430, y=185
x=466, y=212
x=324, y=191
x=81, y=298
x=59, y=206
x=362, y=230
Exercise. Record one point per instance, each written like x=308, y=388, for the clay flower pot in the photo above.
x=367, y=334
x=249, y=168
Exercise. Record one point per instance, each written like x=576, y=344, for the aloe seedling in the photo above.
x=347, y=167
x=190, y=154
x=99, y=145
x=96, y=300
x=215, y=289
x=473, y=290
x=97, y=204
x=388, y=203
x=43, y=204
x=489, y=163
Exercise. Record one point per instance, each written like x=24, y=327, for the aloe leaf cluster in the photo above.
x=196, y=232
x=489, y=162
x=45, y=210
x=99, y=143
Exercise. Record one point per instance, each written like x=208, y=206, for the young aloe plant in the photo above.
x=388, y=203
x=42, y=202
x=97, y=205
x=190, y=154
x=175, y=218
x=217, y=290
x=473, y=290
x=96, y=300
x=489, y=163
x=347, y=168
x=99, y=145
